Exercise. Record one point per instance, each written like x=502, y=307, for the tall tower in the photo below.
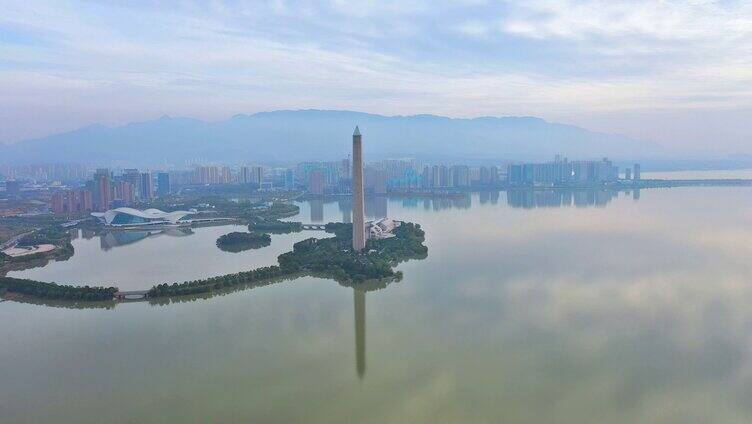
x=359, y=227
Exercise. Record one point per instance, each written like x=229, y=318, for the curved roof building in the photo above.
x=134, y=217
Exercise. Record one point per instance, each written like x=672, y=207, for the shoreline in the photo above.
x=312, y=256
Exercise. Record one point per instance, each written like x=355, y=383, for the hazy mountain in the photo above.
x=316, y=134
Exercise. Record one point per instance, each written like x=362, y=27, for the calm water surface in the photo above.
x=530, y=308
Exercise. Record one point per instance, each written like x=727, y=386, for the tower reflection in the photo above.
x=317, y=210
x=359, y=301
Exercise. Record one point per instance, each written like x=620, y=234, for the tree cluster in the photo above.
x=55, y=291
x=274, y=226
x=54, y=234
x=238, y=242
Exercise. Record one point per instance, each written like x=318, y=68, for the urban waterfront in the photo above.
x=628, y=311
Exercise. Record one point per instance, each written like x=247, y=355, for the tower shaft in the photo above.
x=359, y=227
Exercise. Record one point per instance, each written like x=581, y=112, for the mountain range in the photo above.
x=298, y=135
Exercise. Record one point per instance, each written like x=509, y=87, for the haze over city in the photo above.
x=376, y=211
x=675, y=73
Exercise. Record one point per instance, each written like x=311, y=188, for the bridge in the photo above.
x=131, y=295
x=316, y=227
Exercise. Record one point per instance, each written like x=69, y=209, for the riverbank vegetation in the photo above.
x=330, y=257
x=274, y=226
x=238, y=242
x=54, y=291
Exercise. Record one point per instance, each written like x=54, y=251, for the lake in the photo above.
x=566, y=307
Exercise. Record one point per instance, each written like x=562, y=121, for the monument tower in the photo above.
x=359, y=226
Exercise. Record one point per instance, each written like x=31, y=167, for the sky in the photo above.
x=678, y=73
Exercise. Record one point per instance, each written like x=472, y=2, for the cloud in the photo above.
x=555, y=59
x=654, y=20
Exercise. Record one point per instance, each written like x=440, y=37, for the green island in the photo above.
x=239, y=242
x=274, y=226
x=330, y=257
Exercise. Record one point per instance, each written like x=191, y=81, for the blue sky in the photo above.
x=676, y=72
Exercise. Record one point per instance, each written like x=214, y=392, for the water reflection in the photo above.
x=491, y=197
x=345, y=206
x=529, y=199
x=317, y=210
x=112, y=239
x=359, y=306
x=439, y=203
x=376, y=207
x=644, y=318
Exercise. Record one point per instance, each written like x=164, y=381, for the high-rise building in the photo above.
x=257, y=174
x=85, y=201
x=426, y=177
x=563, y=172
x=636, y=172
x=57, y=203
x=133, y=177
x=359, y=226
x=628, y=174
x=103, y=189
x=374, y=180
x=69, y=202
x=163, y=184
x=289, y=179
x=244, y=177
x=146, y=188
x=316, y=182
x=345, y=170
x=461, y=175
x=209, y=175
x=126, y=192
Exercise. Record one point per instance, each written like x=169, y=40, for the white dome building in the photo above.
x=129, y=217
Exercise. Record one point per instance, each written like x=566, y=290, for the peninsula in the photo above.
x=331, y=257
